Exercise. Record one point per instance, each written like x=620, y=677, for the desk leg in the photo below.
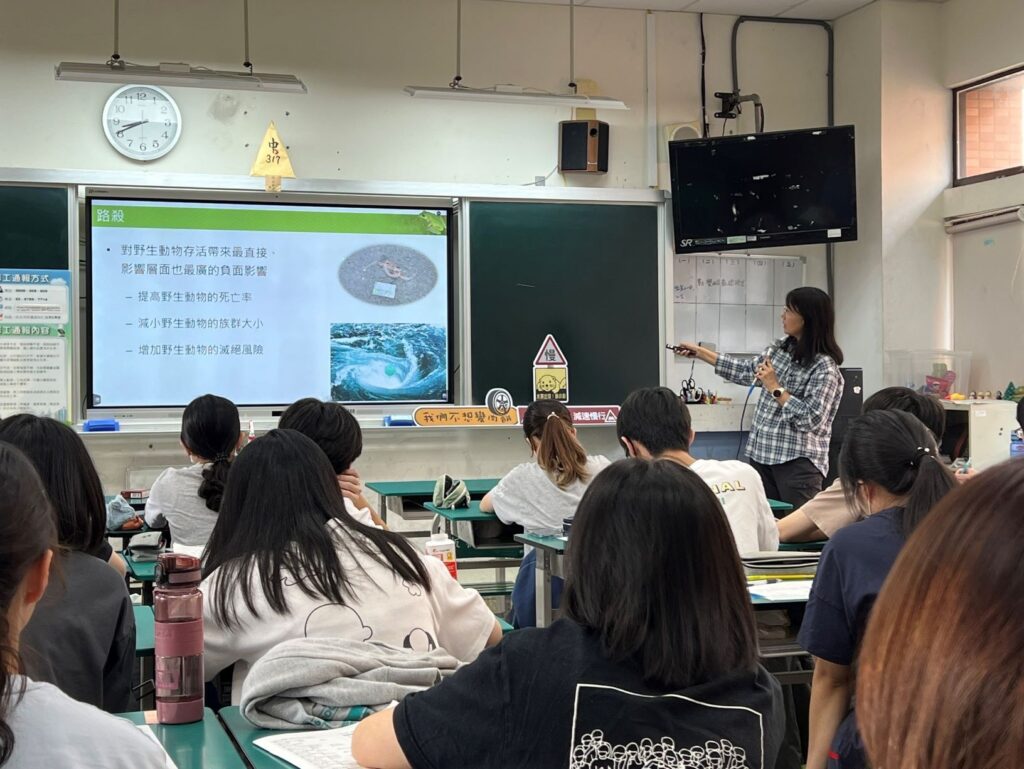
x=543, y=589
x=147, y=592
x=147, y=668
x=383, y=501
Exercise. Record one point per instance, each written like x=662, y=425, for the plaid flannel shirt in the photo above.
x=802, y=427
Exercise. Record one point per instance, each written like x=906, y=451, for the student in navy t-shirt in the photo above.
x=890, y=467
x=655, y=663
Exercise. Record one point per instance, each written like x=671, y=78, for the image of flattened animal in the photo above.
x=388, y=274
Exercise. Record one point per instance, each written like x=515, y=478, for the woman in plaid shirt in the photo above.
x=801, y=387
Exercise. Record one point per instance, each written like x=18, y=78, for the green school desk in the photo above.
x=125, y=534
x=471, y=514
x=202, y=745
x=779, y=507
x=243, y=733
x=498, y=557
x=423, y=490
x=145, y=631
x=550, y=557
x=143, y=572
x=809, y=546
x=145, y=647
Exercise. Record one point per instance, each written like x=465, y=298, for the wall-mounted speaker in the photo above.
x=583, y=146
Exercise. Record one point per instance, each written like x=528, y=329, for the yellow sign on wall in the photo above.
x=551, y=382
x=462, y=416
x=272, y=161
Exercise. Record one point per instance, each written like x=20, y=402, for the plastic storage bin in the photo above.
x=938, y=372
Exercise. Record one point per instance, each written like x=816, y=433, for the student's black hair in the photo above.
x=927, y=408
x=1020, y=413
x=657, y=418
x=653, y=571
x=27, y=531
x=558, y=451
x=68, y=475
x=280, y=496
x=894, y=450
x=210, y=428
x=819, y=336
x=331, y=426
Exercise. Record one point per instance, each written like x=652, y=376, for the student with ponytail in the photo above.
x=540, y=494
x=187, y=499
x=891, y=470
x=40, y=726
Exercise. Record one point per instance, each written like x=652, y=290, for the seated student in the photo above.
x=286, y=560
x=82, y=635
x=655, y=422
x=187, y=499
x=828, y=512
x=540, y=494
x=335, y=430
x=944, y=691
x=890, y=467
x=40, y=726
x=655, y=662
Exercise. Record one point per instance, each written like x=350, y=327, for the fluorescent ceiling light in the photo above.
x=514, y=97
x=178, y=75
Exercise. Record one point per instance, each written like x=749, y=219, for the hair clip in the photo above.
x=922, y=451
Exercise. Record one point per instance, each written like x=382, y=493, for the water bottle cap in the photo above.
x=178, y=570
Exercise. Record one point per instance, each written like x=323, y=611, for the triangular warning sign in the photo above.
x=611, y=418
x=272, y=158
x=550, y=354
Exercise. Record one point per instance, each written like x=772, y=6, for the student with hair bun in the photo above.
x=539, y=495
x=891, y=471
x=187, y=499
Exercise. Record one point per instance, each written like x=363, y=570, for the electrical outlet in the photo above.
x=540, y=181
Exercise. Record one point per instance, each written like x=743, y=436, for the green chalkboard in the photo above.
x=588, y=274
x=34, y=228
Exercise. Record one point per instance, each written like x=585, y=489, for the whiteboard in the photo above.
x=988, y=298
x=733, y=302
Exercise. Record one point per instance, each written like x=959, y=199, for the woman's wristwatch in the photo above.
x=778, y=392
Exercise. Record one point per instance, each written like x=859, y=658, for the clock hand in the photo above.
x=130, y=125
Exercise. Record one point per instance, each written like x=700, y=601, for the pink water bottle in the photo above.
x=178, y=606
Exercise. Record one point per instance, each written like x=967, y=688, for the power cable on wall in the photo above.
x=704, y=127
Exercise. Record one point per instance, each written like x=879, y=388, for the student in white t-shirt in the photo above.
x=655, y=422
x=287, y=560
x=40, y=726
x=539, y=495
x=187, y=498
x=335, y=430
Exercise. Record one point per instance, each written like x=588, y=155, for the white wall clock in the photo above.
x=142, y=122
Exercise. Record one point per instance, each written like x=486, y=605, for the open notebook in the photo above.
x=325, y=749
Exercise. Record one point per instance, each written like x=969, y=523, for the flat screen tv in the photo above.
x=765, y=190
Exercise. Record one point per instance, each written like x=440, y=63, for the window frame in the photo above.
x=959, y=181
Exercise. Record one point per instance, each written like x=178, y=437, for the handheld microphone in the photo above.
x=766, y=355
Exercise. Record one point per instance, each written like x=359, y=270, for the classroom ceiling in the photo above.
x=793, y=9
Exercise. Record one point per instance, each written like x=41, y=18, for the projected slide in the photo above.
x=266, y=304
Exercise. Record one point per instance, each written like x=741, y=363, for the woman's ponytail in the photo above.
x=558, y=452
x=932, y=481
x=896, y=452
x=210, y=430
x=215, y=476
